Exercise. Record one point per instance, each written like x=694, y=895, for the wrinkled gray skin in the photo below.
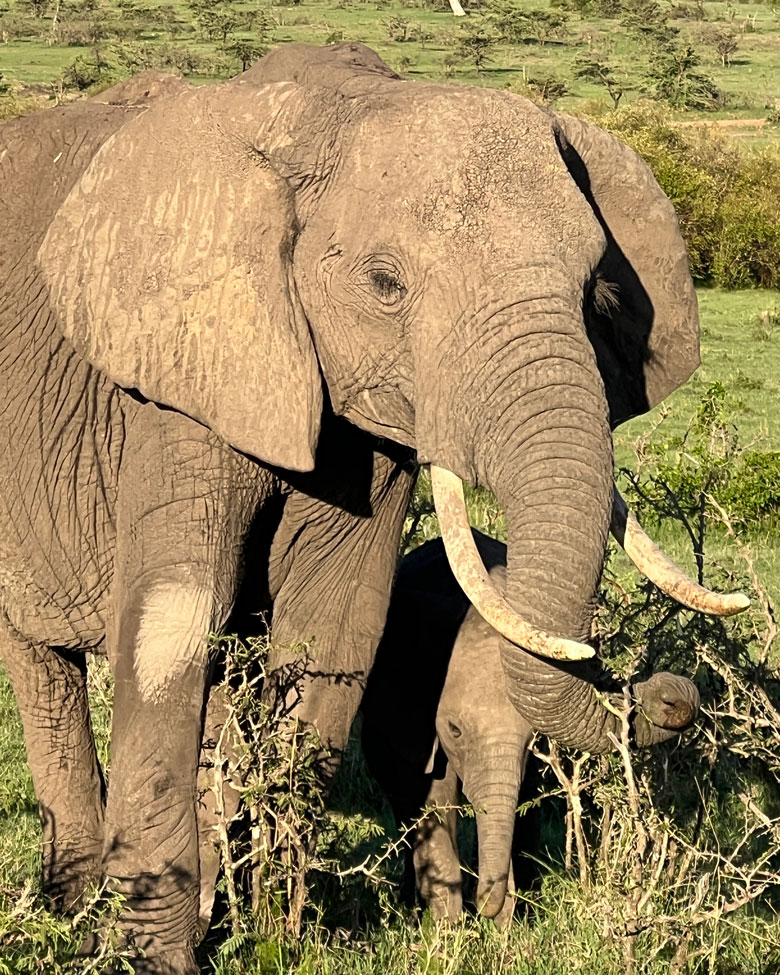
x=229, y=314
x=436, y=715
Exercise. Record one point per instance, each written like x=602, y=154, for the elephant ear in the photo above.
x=169, y=266
x=643, y=316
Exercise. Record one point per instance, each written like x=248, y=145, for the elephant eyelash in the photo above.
x=387, y=287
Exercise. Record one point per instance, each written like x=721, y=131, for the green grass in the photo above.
x=741, y=352
x=751, y=83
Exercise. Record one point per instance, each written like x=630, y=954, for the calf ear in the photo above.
x=643, y=319
x=170, y=268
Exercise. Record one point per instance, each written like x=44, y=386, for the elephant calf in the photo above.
x=436, y=715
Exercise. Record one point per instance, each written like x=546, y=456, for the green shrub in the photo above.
x=727, y=200
x=708, y=462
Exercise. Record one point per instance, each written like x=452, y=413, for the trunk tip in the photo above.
x=491, y=897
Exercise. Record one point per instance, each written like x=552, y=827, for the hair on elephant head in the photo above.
x=437, y=690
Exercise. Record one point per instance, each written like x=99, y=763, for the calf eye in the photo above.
x=454, y=729
x=387, y=287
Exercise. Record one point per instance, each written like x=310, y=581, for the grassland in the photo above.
x=418, y=38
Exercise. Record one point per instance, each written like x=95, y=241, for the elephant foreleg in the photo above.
x=435, y=851
x=332, y=566
x=175, y=585
x=51, y=693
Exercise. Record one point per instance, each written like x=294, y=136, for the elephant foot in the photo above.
x=174, y=961
x=445, y=903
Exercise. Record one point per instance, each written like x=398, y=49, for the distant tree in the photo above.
x=170, y=19
x=582, y=7
x=245, y=51
x=421, y=34
x=546, y=24
x=449, y=63
x=398, y=28
x=675, y=79
x=476, y=42
x=506, y=16
x=646, y=20
x=596, y=68
x=725, y=43
x=548, y=88
x=219, y=19
x=37, y=8
x=515, y=23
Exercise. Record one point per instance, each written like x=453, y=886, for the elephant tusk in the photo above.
x=660, y=569
x=473, y=578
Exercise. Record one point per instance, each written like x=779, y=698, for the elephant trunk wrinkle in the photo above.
x=552, y=468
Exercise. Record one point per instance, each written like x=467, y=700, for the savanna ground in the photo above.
x=666, y=861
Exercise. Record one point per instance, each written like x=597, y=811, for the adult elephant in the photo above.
x=231, y=314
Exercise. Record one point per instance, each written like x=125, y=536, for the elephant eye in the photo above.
x=386, y=286
x=454, y=730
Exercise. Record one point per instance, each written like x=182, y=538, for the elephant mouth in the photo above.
x=468, y=569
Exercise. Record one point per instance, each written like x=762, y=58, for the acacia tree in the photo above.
x=646, y=20
x=596, y=68
x=218, y=19
x=725, y=42
x=514, y=23
x=676, y=80
x=475, y=43
x=245, y=51
x=546, y=24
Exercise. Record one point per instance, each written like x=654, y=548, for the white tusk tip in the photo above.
x=577, y=651
x=737, y=602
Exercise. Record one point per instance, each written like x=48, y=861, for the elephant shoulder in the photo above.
x=41, y=157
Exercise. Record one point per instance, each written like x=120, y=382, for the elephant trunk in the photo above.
x=552, y=470
x=493, y=791
x=544, y=446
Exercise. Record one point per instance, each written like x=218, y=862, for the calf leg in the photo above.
x=51, y=692
x=435, y=852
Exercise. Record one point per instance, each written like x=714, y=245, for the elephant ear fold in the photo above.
x=169, y=266
x=642, y=315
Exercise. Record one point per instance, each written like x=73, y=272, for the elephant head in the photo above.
x=451, y=268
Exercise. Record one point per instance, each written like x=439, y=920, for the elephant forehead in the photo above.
x=455, y=164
